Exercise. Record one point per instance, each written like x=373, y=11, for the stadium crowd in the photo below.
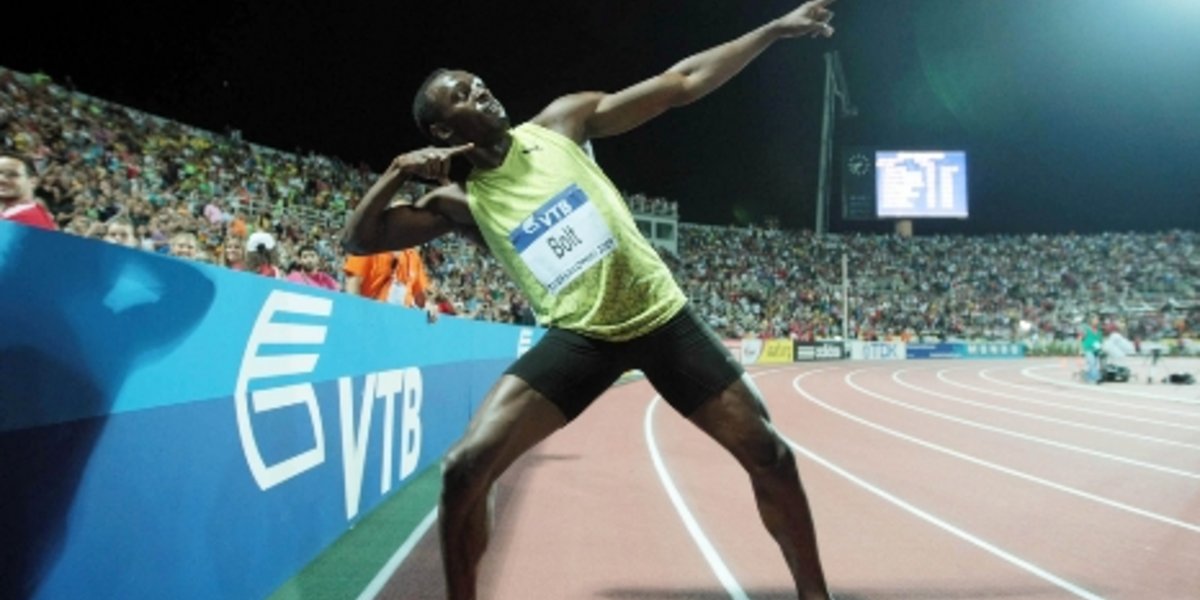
x=117, y=174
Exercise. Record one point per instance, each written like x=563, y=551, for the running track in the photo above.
x=929, y=480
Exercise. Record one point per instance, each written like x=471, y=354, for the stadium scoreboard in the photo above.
x=904, y=184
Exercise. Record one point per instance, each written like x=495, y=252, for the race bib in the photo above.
x=562, y=238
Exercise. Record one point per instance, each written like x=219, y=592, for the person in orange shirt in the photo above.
x=397, y=277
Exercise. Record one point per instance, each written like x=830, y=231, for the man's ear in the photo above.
x=441, y=132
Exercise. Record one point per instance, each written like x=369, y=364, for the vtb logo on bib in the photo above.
x=562, y=238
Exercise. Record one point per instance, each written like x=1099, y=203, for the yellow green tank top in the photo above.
x=561, y=230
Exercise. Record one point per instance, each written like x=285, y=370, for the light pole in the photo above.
x=835, y=92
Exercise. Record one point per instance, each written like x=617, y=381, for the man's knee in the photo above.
x=769, y=456
x=462, y=471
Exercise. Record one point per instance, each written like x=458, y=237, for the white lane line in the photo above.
x=1028, y=372
x=946, y=526
x=389, y=569
x=1000, y=468
x=711, y=556
x=849, y=379
x=1092, y=398
x=1090, y=411
x=1037, y=417
x=732, y=587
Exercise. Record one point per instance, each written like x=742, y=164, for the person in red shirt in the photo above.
x=308, y=270
x=18, y=177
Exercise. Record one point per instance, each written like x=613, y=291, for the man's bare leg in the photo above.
x=738, y=420
x=512, y=419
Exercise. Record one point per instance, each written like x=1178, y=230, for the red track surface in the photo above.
x=929, y=480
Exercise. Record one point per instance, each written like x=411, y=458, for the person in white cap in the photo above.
x=261, y=257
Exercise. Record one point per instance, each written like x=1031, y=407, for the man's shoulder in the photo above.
x=29, y=213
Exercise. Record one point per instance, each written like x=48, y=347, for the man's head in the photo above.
x=183, y=244
x=456, y=107
x=18, y=178
x=119, y=231
x=235, y=253
x=309, y=259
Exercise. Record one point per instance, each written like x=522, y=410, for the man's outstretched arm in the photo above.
x=595, y=114
x=376, y=226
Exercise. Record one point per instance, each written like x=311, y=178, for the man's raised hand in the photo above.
x=811, y=18
x=431, y=163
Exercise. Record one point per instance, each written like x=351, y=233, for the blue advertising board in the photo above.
x=978, y=350
x=175, y=429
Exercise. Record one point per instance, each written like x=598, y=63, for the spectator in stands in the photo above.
x=395, y=277
x=96, y=159
x=18, y=177
x=233, y=255
x=183, y=245
x=261, y=256
x=308, y=270
x=413, y=276
x=370, y=276
x=119, y=231
x=443, y=305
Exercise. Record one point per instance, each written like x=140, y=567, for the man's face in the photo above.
x=15, y=182
x=183, y=246
x=309, y=260
x=121, y=235
x=469, y=110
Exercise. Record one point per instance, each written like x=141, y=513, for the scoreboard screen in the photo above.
x=916, y=184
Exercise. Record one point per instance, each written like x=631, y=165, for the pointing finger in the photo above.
x=456, y=150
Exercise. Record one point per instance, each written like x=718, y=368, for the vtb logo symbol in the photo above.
x=258, y=365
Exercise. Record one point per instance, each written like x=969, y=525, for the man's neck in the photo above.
x=491, y=156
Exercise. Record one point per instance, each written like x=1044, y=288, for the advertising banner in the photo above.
x=752, y=349
x=170, y=429
x=959, y=350
x=777, y=351
x=818, y=351
x=877, y=350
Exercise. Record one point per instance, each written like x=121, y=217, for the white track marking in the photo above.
x=849, y=379
x=1037, y=417
x=1106, y=389
x=689, y=522
x=1093, y=398
x=946, y=526
x=389, y=569
x=1000, y=468
x=1090, y=411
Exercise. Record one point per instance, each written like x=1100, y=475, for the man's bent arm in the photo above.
x=374, y=227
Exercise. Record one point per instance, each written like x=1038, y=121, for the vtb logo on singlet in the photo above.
x=562, y=238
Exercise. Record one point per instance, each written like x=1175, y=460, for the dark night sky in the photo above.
x=1077, y=115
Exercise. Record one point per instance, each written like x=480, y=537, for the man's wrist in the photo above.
x=776, y=30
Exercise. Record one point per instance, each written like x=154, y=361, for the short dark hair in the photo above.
x=30, y=168
x=425, y=111
x=307, y=248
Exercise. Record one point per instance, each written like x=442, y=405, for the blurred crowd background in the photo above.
x=123, y=176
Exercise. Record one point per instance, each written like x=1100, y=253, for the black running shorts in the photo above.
x=683, y=359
